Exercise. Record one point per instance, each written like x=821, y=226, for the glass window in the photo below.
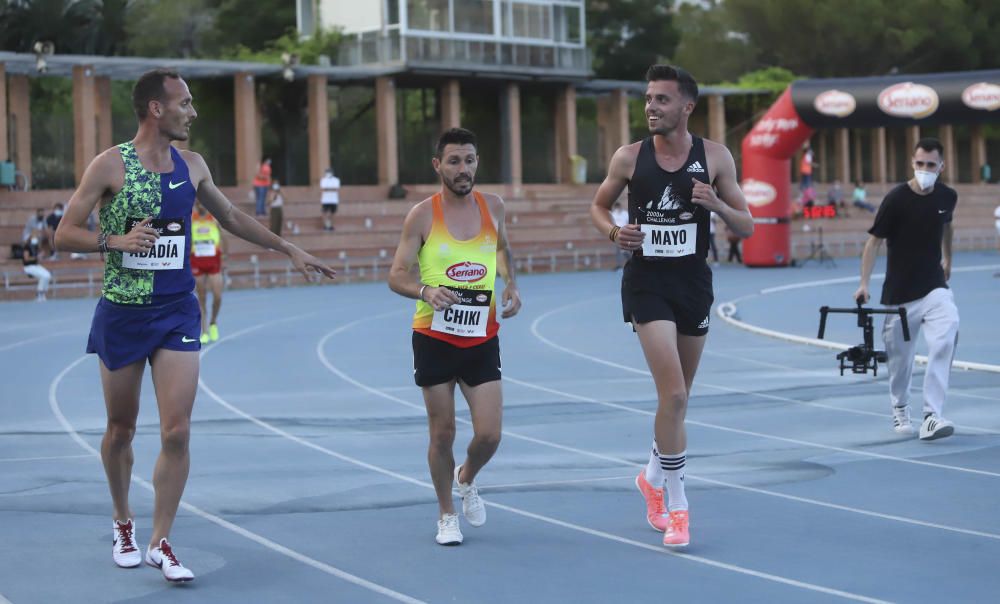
x=527, y=20
x=429, y=15
x=567, y=24
x=392, y=12
x=474, y=16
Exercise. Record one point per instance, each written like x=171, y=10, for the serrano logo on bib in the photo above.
x=173, y=227
x=482, y=298
x=466, y=272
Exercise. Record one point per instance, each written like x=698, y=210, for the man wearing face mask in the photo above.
x=52, y=223
x=915, y=219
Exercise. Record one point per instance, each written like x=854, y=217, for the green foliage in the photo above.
x=708, y=48
x=252, y=24
x=169, y=29
x=74, y=26
x=627, y=36
x=308, y=49
x=772, y=79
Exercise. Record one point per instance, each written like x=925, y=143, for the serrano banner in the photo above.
x=807, y=105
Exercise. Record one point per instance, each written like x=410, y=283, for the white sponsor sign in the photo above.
x=758, y=193
x=983, y=95
x=908, y=99
x=836, y=103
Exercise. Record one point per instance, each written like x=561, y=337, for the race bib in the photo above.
x=669, y=241
x=204, y=249
x=467, y=318
x=167, y=253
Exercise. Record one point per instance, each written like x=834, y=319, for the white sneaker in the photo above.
x=448, y=531
x=901, y=420
x=472, y=504
x=935, y=427
x=163, y=558
x=123, y=548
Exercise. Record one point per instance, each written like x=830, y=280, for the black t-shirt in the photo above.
x=913, y=227
x=53, y=221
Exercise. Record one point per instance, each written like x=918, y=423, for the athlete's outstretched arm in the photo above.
x=868, y=256
x=245, y=227
x=729, y=203
x=104, y=177
x=402, y=278
x=619, y=173
x=511, y=297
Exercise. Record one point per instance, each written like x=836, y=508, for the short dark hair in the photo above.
x=685, y=81
x=149, y=87
x=455, y=136
x=929, y=144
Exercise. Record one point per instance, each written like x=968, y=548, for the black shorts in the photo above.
x=680, y=292
x=330, y=207
x=437, y=362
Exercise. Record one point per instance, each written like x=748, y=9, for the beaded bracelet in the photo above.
x=614, y=233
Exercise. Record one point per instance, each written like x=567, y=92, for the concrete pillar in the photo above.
x=511, y=117
x=612, y=124
x=978, y=152
x=565, y=146
x=856, y=157
x=451, y=105
x=248, y=145
x=879, y=174
x=842, y=155
x=4, y=149
x=912, y=136
x=19, y=111
x=821, y=156
x=385, y=120
x=946, y=132
x=84, y=119
x=890, y=156
x=717, y=118
x=102, y=87
x=319, y=128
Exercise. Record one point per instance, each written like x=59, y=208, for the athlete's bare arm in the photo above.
x=948, y=235
x=868, y=256
x=402, y=278
x=246, y=227
x=729, y=202
x=619, y=173
x=511, y=297
x=103, y=178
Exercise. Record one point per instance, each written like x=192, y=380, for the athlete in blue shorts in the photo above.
x=145, y=189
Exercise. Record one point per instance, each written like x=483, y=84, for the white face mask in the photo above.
x=34, y=241
x=925, y=179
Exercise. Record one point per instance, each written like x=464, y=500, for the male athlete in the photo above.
x=208, y=249
x=146, y=189
x=458, y=239
x=675, y=181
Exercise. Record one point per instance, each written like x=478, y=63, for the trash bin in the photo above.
x=579, y=169
x=7, y=178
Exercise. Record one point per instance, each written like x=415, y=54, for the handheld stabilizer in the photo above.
x=863, y=357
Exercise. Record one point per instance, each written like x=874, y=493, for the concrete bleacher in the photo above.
x=548, y=225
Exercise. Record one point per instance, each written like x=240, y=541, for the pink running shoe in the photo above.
x=656, y=513
x=677, y=534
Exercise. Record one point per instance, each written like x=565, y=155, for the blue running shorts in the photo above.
x=122, y=334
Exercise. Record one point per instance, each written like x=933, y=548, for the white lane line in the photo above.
x=586, y=530
x=727, y=311
x=4, y=600
x=805, y=443
x=37, y=338
x=551, y=483
x=730, y=485
x=259, y=539
x=13, y=459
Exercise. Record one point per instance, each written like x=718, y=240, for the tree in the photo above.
x=627, y=36
x=66, y=23
x=169, y=29
x=708, y=47
x=251, y=24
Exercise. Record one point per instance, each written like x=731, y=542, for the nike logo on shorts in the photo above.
x=188, y=340
x=174, y=186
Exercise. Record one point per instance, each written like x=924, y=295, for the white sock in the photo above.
x=654, y=473
x=673, y=469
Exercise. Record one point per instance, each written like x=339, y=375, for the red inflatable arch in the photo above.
x=808, y=105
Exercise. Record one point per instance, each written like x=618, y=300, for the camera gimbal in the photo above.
x=863, y=357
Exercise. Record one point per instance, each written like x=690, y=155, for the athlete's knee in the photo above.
x=443, y=436
x=674, y=401
x=120, y=432
x=176, y=437
x=488, y=439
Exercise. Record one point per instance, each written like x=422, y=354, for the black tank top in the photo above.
x=677, y=230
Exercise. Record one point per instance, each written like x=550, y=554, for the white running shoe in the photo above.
x=935, y=427
x=901, y=423
x=163, y=558
x=123, y=548
x=448, y=531
x=472, y=504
